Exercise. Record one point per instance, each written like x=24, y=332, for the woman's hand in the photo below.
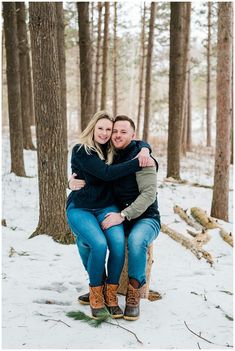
x=143, y=157
x=76, y=184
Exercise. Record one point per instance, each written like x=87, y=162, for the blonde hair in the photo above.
x=86, y=138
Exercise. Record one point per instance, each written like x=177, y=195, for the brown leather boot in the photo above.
x=132, y=309
x=111, y=300
x=96, y=300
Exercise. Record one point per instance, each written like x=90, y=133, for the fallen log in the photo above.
x=183, y=215
x=211, y=223
x=201, y=216
x=194, y=245
x=226, y=236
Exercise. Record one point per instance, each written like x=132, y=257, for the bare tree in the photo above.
x=208, y=95
x=148, y=77
x=105, y=57
x=115, y=97
x=141, y=65
x=219, y=208
x=177, y=84
x=62, y=70
x=98, y=47
x=51, y=147
x=24, y=83
x=13, y=88
x=85, y=63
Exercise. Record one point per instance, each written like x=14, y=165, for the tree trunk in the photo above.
x=31, y=102
x=189, y=115
x=98, y=47
x=115, y=60
x=220, y=198
x=85, y=63
x=148, y=77
x=62, y=70
x=187, y=20
x=13, y=87
x=24, y=84
x=49, y=123
x=141, y=76
x=105, y=58
x=208, y=97
x=178, y=51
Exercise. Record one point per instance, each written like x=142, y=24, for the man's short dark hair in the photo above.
x=125, y=118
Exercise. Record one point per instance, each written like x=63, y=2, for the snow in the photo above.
x=40, y=270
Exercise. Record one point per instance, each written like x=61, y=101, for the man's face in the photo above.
x=122, y=135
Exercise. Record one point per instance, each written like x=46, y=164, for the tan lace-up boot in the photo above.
x=111, y=300
x=132, y=309
x=96, y=300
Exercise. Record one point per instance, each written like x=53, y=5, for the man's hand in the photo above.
x=76, y=184
x=143, y=157
x=111, y=219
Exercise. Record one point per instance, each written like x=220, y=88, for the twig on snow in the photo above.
x=201, y=337
x=120, y=326
x=57, y=320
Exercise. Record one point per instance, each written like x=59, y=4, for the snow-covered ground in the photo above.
x=41, y=279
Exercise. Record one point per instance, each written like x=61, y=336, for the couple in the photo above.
x=116, y=191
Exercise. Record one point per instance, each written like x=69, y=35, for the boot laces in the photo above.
x=98, y=297
x=132, y=297
x=111, y=297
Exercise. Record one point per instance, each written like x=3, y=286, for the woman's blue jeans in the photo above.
x=93, y=243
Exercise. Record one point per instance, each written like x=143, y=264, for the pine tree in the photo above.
x=220, y=200
x=149, y=71
x=24, y=83
x=105, y=58
x=13, y=87
x=85, y=63
x=51, y=145
x=141, y=68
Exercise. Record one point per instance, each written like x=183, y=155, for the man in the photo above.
x=136, y=197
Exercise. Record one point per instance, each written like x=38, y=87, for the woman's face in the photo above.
x=103, y=130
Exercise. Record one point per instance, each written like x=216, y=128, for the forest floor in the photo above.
x=42, y=279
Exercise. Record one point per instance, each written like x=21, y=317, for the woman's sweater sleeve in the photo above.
x=95, y=166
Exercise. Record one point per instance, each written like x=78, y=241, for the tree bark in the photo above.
x=13, y=87
x=115, y=98
x=149, y=71
x=105, y=58
x=24, y=83
x=141, y=76
x=220, y=198
x=178, y=54
x=208, y=95
x=189, y=115
x=85, y=63
x=62, y=70
x=98, y=47
x=31, y=102
x=49, y=123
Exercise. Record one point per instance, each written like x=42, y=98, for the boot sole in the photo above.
x=83, y=302
x=117, y=316
x=130, y=318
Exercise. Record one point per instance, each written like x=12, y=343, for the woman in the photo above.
x=87, y=208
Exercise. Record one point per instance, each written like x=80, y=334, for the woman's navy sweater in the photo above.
x=97, y=193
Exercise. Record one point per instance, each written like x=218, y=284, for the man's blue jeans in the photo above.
x=139, y=237
x=93, y=243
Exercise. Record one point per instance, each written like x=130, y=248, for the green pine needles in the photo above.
x=103, y=316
